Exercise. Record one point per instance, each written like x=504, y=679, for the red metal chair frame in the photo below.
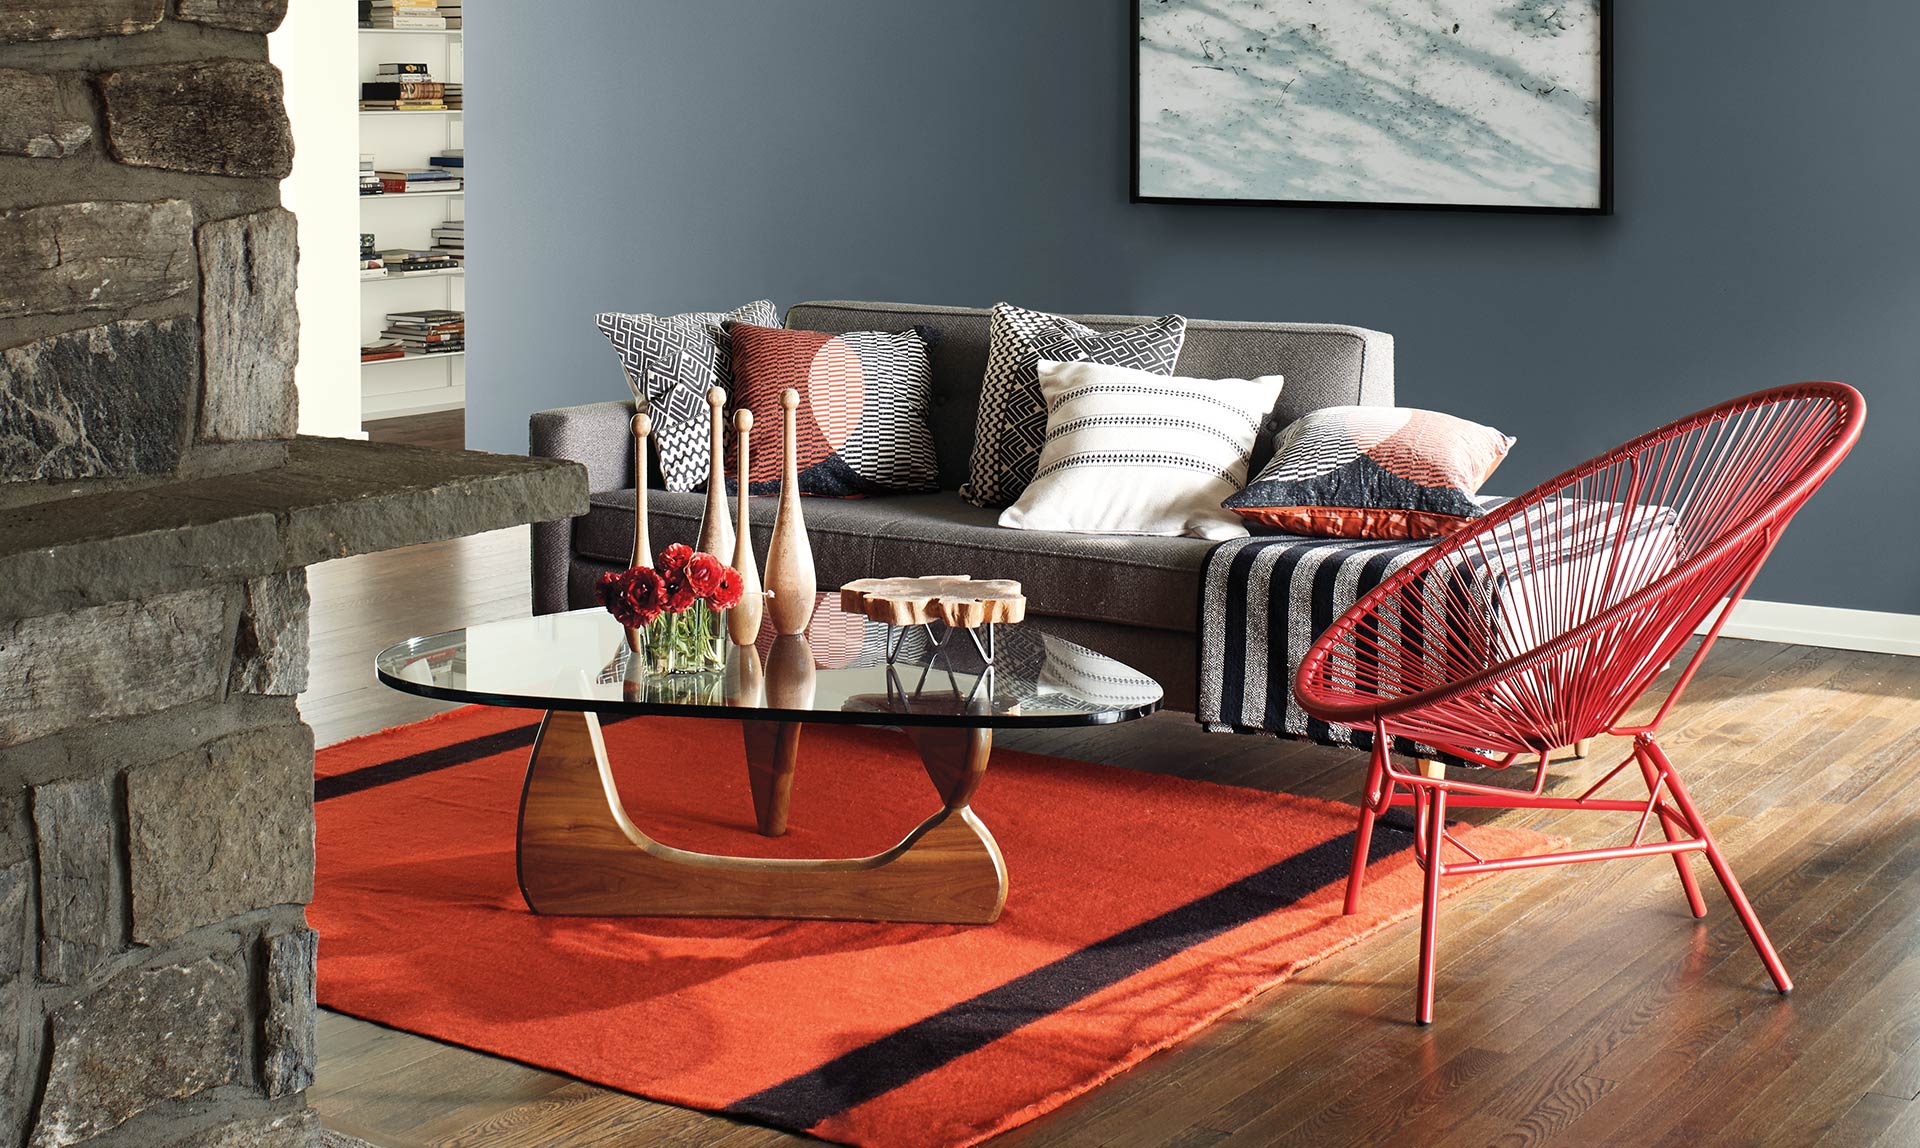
x=1611, y=567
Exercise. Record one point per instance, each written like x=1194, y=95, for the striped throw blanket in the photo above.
x=1265, y=600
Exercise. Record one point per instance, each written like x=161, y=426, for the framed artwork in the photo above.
x=1490, y=105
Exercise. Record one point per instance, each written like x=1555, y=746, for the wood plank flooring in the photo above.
x=444, y=429
x=1577, y=1007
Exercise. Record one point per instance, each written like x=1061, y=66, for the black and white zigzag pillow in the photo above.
x=672, y=361
x=1012, y=421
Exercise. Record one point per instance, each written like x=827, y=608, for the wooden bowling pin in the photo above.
x=743, y=621
x=716, y=533
x=790, y=578
x=790, y=673
x=642, y=551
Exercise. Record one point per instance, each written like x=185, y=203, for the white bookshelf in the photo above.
x=414, y=383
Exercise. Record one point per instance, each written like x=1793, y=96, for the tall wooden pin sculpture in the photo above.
x=642, y=551
x=716, y=533
x=743, y=621
x=790, y=580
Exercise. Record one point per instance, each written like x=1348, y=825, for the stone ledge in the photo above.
x=334, y=498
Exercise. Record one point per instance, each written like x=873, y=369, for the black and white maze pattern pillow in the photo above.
x=1128, y=452
x=1011, y=424
x=672, y=361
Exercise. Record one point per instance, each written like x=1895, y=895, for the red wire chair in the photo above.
x=1542, y=623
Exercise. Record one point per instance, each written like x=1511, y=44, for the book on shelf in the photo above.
x=428, y=315
x=403, y=90
x=407, y=5
x=367, y=244
x=421, y=23
x=406, y=68
x=378, y=352
x=392, y=186
x=403, y=106
x=451, y=159
x=402, y=261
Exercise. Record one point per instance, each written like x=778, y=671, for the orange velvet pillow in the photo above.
x=1373, y=472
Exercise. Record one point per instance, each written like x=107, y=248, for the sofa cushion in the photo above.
x=860, y=427
x=672, y=361
x=1012, y=424
x=1120, y=579
x=1325, y=364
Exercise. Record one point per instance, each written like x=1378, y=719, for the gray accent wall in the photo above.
x=662, y=155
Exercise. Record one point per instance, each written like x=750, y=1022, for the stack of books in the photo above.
x=399, y=181
x=404, y=88
x=450, y=13
x=452, y=96
x=371, y=265
x=405, y=14
x=403, y=261
x=379, y=352
x=454, y=159
x=369, y=179
x=450, y=238
x=428, y=332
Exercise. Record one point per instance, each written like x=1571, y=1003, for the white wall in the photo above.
x=315, y=49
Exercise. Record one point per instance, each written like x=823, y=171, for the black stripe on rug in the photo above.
x=899, y=1057
x=433, y=760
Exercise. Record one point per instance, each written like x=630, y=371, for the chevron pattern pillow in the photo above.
x=861, y=428
x=1011, y=424
x=1373, y=472
x=672, y=361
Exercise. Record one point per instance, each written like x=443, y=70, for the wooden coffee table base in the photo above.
x=580, y=854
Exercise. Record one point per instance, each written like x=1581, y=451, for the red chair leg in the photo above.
x=1363, y=835
x=1695, y=901
x=1430, y=905
x=1722, y=870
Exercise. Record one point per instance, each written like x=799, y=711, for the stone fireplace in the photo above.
x=156, y=514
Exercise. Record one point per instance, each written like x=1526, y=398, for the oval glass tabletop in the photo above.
x=838, y=672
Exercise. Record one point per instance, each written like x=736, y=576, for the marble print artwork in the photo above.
x=1479, y=102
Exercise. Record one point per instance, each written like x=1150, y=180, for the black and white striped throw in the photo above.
x=1266, y=598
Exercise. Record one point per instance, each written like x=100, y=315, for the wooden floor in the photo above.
x=444, y=429
x=1577, y=1007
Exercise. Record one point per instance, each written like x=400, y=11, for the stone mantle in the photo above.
x=334, y=498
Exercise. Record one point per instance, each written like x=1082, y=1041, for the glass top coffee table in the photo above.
x=580, y=854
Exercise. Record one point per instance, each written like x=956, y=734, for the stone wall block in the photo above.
x=45, y=115
x=246, y=15
x=77, y=19
x=58, y=671
x=220, y=831
x=73, y=824
x=270, y=651
x=149, y=1036
x=13, y=941
x=250, y=327
x=288, y=1042
x=105, y=255
x=287, y=1130
x=219, y=117
x=107, y=402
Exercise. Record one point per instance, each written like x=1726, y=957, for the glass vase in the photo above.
x=693, y=641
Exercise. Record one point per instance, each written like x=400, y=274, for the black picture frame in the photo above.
x=1605, y=206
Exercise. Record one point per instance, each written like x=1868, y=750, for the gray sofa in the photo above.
x=1134, y=598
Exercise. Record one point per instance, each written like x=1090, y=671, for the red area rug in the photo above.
x=1141, y=909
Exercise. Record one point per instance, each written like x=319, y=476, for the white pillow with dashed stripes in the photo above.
x=1131, y=452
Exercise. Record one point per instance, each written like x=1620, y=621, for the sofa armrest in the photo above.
x=599, y=436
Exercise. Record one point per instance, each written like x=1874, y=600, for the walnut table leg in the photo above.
x=580, y=854
x=772, y=748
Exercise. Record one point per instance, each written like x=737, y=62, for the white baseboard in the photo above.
x=1871, y=630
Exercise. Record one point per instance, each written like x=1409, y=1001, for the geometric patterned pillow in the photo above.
x=1373, y=472
x=672, y=361
x=1011, y=424
x=861, y=427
